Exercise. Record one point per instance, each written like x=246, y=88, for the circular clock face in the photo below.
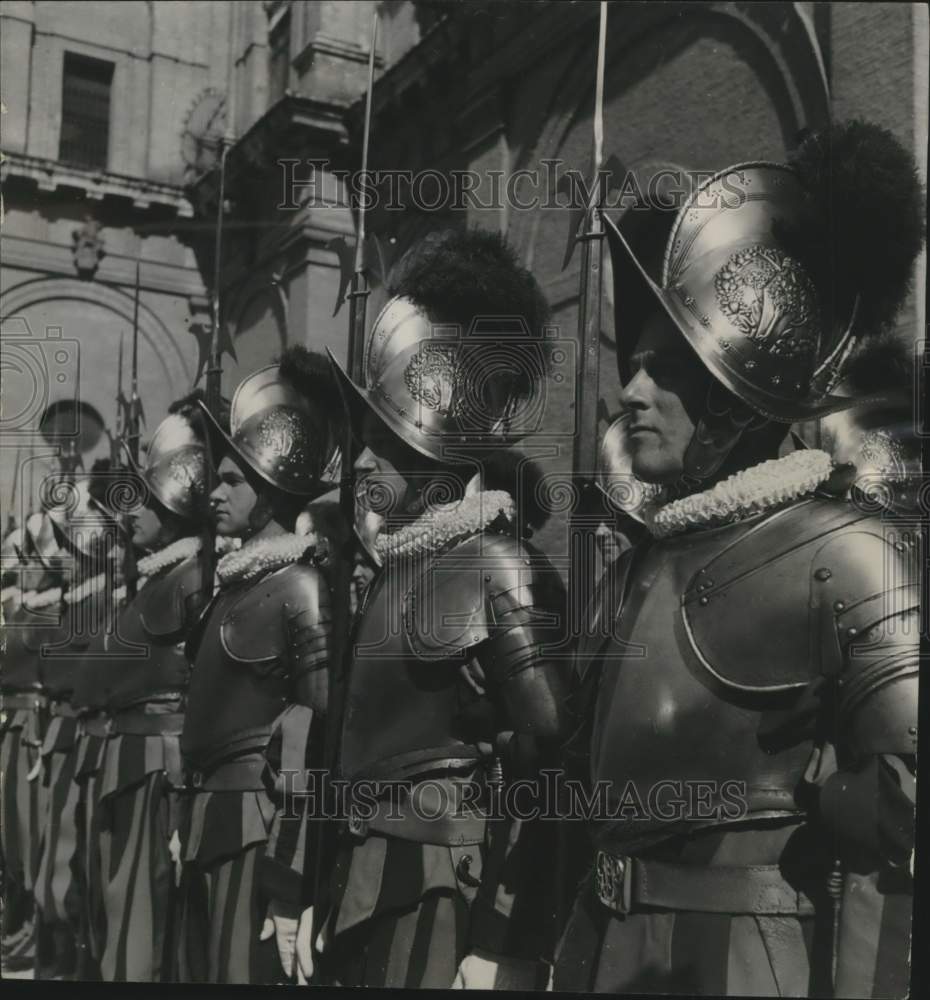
x=203, y=131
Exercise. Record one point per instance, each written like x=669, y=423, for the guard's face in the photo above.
x=147, y=527
x=665, y=397
x=388, y=471
x=233, y=500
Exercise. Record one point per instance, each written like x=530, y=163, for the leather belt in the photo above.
x=231, y=776
x=139, y=723
x=97, y=725
x=403, y=821
x=13, y=702
x=625, y=884
x=62, y=709
x=245, y=742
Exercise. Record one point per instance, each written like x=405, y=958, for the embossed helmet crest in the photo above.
x=175, y=465
x=435, y=385
x=278, y=432
x=748, y=307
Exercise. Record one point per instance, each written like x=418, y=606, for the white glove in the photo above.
x=174, y=849
x=483, y=971
x=305, y=947
x=281, y=921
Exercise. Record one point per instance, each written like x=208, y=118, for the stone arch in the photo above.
x=103, y=315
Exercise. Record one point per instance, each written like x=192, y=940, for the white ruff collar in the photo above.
x=263, y=556
x=151, y=565
x=148, y=566
x=14, y=594
x=750, y=491
x=446, y=524
x=35, y=600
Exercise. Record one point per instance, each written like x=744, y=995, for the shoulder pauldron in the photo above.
x=254, y=630
x=478, y=589
x=778, y=607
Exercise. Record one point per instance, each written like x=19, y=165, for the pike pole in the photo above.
x=212, y=384
x=132, y=431
x=358, y=297
x=588, y=509
x=358, y=293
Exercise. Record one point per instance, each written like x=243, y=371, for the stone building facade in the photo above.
x=501, y=92
x=97, y=97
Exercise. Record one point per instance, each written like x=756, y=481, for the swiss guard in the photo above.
x=747, y=687
x=134, y=679
x=447, y=695
x=258, y=691
x=87, y=535
x=32, y=588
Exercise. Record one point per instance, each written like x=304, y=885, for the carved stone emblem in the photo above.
x=88, y=247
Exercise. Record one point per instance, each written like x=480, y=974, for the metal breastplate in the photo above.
x=232, y=700
x=400, y=711
x=151, y=636
x=673, y=746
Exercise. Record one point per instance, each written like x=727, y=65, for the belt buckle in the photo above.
x=356, y=825
x=612, y=881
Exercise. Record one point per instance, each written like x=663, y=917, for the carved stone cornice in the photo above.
x=50, y=176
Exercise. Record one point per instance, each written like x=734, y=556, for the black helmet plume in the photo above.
x=866, y=220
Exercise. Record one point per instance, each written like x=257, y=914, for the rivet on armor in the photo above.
x=822, y=574
x=852, y=631
x=487, y=577
x=912, y=730
x=705, y=600
x=839, y=605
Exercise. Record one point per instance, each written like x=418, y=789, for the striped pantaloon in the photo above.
x=399, y=914
x=20, y=830
x=59, y=907
x=221, y=903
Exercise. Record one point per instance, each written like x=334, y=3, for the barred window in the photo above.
x=85, y=111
